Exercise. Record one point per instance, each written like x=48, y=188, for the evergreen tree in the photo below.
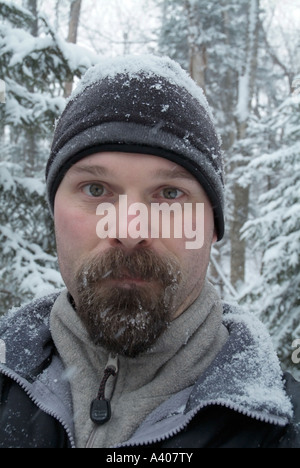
x=28, y=266
x=35, y=63
x=276, y=231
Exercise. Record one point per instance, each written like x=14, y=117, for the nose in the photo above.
x=132, y=223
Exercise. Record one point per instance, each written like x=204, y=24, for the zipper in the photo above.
x=13, y=376
x=193, y=413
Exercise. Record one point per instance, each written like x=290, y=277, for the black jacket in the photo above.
x=241, y=401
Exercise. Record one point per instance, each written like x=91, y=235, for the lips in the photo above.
x=128, y=280
x=127, y=276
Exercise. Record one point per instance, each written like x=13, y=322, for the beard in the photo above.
x=127, y=319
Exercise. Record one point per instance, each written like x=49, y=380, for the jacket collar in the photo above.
x=246, y=374
x=245, y=377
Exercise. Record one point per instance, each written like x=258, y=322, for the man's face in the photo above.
x=128, y=276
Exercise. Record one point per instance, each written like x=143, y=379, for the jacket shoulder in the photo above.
x=35, y=310
x=26, y=335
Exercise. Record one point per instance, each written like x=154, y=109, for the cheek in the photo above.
x=75, y=237
x=68, y=225
x=75, y=233
x=193, y=248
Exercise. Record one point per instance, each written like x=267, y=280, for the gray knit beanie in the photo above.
x=140, y=104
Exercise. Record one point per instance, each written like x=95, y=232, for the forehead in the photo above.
x=129, y=164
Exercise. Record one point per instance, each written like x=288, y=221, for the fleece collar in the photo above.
x=190, y=344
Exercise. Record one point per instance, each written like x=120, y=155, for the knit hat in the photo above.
x=140, y=104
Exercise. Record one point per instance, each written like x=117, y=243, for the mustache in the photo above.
x=118, y=264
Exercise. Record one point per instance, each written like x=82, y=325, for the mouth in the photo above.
x=128, y=282
x=124, y=277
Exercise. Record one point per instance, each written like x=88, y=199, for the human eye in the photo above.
x=171, y=193
x=94, y=190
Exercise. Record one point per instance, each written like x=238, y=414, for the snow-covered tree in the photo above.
x=276, y=231
x=35, y=64
x=28, y=266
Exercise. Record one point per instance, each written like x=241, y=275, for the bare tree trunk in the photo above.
x=197, y=50
x=33, y=8
x=198, y=63
x=228, y=91
x=72, y=36
x=238, y=245
x=31, y=144
x=241, y=194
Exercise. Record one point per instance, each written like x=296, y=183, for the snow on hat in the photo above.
x=140, y=104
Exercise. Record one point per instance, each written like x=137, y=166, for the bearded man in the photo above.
x=138, y=349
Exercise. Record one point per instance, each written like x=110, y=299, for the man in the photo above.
x=139, y=350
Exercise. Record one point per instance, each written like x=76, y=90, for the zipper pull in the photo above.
x=100, y=410
x=113, y=362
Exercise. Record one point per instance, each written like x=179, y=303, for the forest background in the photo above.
x=246, y=56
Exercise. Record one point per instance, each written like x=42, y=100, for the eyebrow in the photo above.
x=94, y=170
x=176, y=172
